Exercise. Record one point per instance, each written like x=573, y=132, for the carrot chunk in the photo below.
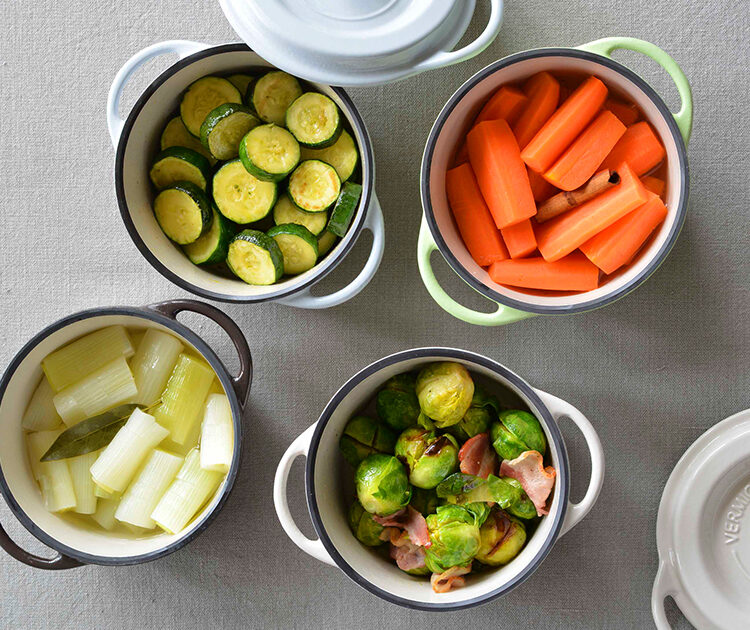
x=639, y=147
x=564, y=125
x=501, y=175
x=572, y=273
x=612, y=248
x=540, y=187
x=505, y=104
x=543, y=91
x=563, y=234
x=580, y=160
x=627, y=112
x=519, y=239
x=474, y=220
x=654, y=184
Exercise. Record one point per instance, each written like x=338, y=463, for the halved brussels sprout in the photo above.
x=454, y=538
x=502, y=537
x=515, y=432
x=524, y=507
x=364, y=527
x=461, y=489
x=364, y=436
x=445, y=391
x=382, y=484
x=484, y=408
x=429, y=457
x=397, y=403
x=424, y=501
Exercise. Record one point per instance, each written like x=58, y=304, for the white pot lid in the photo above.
x=703, y=530
x=358, y=42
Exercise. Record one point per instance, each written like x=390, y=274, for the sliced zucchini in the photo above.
x=255, y=258
x=315, y=120
x=240, y=81
x=342, y=155
x=183, y=212
x=213, y=246
x=286, y=212
x=346, y=206
x=180, y=164
x=298, y=246
x=269, y=152
x=240, y=196
x=272, y=95
x=175, y=135
x=326, y=241
x=224, y=127
x=314, y=186
x=201, y=97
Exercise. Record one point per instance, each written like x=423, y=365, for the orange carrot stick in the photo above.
x=519, y=239
x=543, y=91
x=474, y=220
x=580, y=160
x=564, y=125
x=627, y=112
x=572, y=273
x=560, y=236
x=639, y=147
x=462, y=155
x=540, y=187
x=612, y=248
x=506, y=103
x=654, y=184
x=496, y=161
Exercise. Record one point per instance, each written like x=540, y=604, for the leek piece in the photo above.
x=122, y=457
x=147, y=488
x=54, y=477
x=40, y=414
x=188, y=492
x=38, y=444
x=182, y=400
x=105, y=512
x=136, y=336
x=217, y=434
x=216, y=387
x=83, y=484
x=80, y=358
x=101, y=492
x=109, y=386
x=153, y=363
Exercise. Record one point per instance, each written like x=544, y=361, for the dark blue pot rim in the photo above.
x=368, y=170
x=554, y=309
x=563, y=473
x=226, y=381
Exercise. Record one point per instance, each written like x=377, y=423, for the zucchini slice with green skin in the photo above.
x=314, y=186
x=346, y=206
x=315, y=120
x=183, y=212
x=326, y=241
x=255, y=258
x=240, y=81
x=286, y=212
x=298, y=246
x=241, y=197
x=180, y=164
x=224, y=127
x=176, y=135
x=272, y=95
x=269, y=152
x=342, y=155
x=201, y=97
x=213, y=247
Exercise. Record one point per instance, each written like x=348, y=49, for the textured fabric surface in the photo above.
x=652, y=371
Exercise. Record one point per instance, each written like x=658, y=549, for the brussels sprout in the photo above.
x=382, y=484
x=424, y=501
x=454, y=538
x=478, y=418
x=502, y=537
x=480, y=510
x=515, y=432
x=429, y=457
x=445, y=391
x=397, y=403
x=364, y=527
x=524, y=507
x=362, y=437
x=461, y=489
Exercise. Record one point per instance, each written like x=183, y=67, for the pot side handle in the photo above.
x=52, y=564
x=298, y=448
x=608, y=45
x=374, y=223
x=664, y=586
x=503, y=315
x=180, y=47
x=577, y=511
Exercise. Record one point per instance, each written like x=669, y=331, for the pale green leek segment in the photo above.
x=217, y=434
x=105, y=512
x=40, y=414
x=153, y=363
x=54, y=477
x=83, y=484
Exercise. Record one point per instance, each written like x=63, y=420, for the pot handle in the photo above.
x=664, y=585
x=374, y=223
x=53, y=564
x=242, y=381
x=181, y=47
x=447, y=58
x=606, y=46
x=298, y=448
x=503, y=315
x=577, y=511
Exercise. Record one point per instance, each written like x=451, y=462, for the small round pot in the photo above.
x=439, y=230
x=136, y=140
x=75, y=545
x=328, y=500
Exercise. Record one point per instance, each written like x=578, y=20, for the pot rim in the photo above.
x=504, y=373
x=366, y=158
x=653, y=264
x=221, y=371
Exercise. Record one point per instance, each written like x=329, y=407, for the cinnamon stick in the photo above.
x=564, y=201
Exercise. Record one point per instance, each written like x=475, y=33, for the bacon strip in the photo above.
x=409, y=520
x=450, y=579
x=538, y=481
x=407, y=556
x=477, y=456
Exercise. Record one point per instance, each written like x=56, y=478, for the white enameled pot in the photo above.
x=328, y=500
x=136, y=140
